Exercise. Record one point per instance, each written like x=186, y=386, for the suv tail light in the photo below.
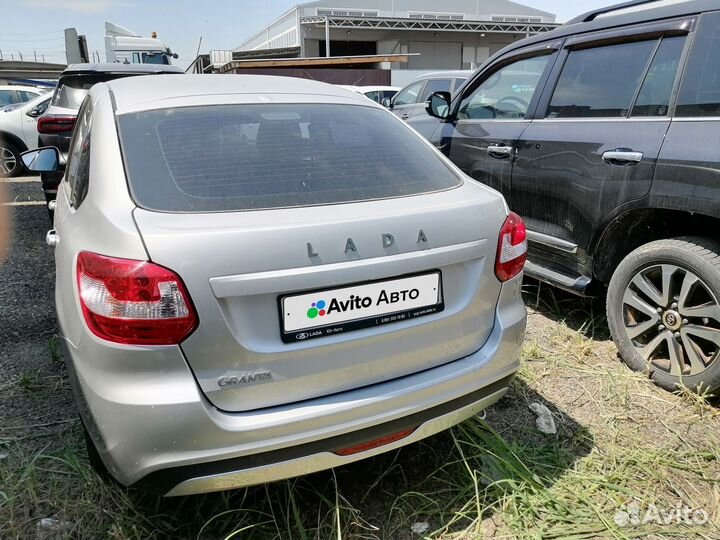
x=133, y=302
x=54, y=123
x=512, y=248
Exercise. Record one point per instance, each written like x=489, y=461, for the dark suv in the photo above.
x=603, y=135
x=55, y=127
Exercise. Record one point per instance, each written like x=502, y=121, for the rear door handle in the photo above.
x=500, y=152
x=622, y=156
x=51, y=238
x=405, y=116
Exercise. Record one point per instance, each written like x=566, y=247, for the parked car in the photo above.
x=10, y=95
x=600, y=134
x=272, y=277
x=56, y=125
x=18, y=132
x=409, y=103
x=376, y=93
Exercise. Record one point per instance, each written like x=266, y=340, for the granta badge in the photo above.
x=244, y=378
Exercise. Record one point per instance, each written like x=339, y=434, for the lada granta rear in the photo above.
x=262, y=277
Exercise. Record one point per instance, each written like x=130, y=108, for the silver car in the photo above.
x=262, y=277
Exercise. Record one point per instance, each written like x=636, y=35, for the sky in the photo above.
x=34, y=27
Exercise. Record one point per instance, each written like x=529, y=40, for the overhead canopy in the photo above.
x=321, y=62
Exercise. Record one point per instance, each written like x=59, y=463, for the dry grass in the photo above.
x=620, y=440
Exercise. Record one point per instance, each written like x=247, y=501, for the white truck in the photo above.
x=127, y=47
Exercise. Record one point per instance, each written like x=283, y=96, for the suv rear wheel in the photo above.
x=10, y=163
x=663, y=309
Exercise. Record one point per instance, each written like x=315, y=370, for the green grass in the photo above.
x=620, y=440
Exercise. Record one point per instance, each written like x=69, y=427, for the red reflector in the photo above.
x=53, y=123
x=512, y=248
x=369, y=445
x=133, y=302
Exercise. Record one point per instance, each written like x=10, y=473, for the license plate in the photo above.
x=333, y=311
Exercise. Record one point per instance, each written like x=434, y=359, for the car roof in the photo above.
x=76, y=69
x=628, y=13
x=162, y=91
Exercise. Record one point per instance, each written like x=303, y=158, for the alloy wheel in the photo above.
x=8, y=161
x=672, y=319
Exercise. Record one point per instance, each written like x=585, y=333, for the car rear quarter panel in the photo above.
x=687, y=176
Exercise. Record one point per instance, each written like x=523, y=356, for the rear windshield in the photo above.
x=249, y=157
x=72, y=89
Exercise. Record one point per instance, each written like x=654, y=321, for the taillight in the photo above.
x=54, y=123
x=133, y=302
x=512, y=248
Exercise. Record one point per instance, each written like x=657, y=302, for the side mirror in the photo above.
x=386, y=102
x=438, y=105
x=35, y=112
x=42, y=160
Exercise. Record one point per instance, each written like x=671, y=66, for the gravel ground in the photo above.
x=27, y=313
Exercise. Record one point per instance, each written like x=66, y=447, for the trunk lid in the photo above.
x=238, y=267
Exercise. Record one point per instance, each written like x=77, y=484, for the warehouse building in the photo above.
x=455, y=34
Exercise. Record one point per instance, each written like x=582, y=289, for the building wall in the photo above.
x=283, y=32
x=465, y=50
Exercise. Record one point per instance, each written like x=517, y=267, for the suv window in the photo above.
x=600, y=81
x=72, y=89
x=78, y=163
x=26, y=96
x=409, y=96
x=654, y=96
x=374, y=95
x=506, y=93
x=248, y=157
x=700, y=90
x=435, y=85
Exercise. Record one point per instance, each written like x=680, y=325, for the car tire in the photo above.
x=663, y=309
x=10, y=163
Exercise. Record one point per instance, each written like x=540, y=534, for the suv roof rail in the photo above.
x=591, y=15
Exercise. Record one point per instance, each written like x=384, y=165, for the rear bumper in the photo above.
x=155, y=430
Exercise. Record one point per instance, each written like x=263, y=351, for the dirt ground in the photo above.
x=627, y=460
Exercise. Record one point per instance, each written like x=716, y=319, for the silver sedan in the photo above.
x=262, y=277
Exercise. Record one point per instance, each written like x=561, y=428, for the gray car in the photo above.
x=262, y=277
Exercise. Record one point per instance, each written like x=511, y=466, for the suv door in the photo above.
x=405, y=100
x=689, y=167
x=422, y=122
x=492, y=112
x=596, y=140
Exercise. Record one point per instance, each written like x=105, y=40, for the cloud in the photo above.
x=82, y=6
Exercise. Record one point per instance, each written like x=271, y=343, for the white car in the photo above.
x=10, y=95
x=376, y=93
x=18, y=132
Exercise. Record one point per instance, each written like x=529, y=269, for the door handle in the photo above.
x=405, y=116
x=51, y=238
x=500, y=152
x=621, y=156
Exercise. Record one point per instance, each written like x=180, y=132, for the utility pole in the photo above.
x=327, y=36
